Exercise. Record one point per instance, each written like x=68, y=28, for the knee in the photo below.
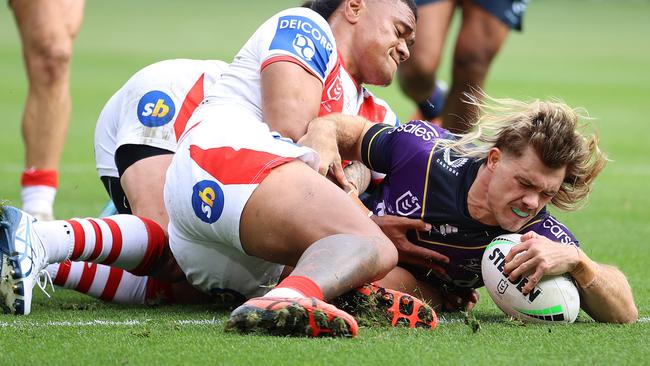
x=49, y=62
x=473, y=63
x=384, y=257
x=416, y=81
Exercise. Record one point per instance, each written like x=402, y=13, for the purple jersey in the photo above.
x=430, y=183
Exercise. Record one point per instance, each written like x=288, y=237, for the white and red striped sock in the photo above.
x=125, y=241
x=108, y=283
x=100, y=281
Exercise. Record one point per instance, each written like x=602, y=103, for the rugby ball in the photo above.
x=554, y=299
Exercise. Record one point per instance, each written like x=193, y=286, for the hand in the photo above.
x=460, y=300
x=395, y=228
x=537, y=256
x=321, y=137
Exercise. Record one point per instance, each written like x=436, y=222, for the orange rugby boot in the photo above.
x=292, y=316
x=401, y=309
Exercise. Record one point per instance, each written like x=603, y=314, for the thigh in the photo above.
x=481, y=34
x=45, y=22
x=432, y=27
x=293, y=208
x=217, y=167
x=143, y=183
x=509, y=12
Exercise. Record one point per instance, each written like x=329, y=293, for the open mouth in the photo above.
x=519, y=213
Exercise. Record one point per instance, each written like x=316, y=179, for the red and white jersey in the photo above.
x=303, y=37
x=152, y=108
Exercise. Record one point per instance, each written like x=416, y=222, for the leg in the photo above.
x=143, y=183
x=119, y=286
x=479, y=40
x=417, y=75
x=297, y=224
x=47, y=29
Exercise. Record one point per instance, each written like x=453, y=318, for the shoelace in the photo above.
x=43, y=278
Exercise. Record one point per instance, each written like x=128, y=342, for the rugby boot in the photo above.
x=23, y=259
x=292, y=316
x=399, y=308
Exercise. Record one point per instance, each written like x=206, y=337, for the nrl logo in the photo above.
x=407, y=204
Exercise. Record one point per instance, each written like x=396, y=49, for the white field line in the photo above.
x=104, y=323
x=135, y=322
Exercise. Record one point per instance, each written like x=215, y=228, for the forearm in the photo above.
x=604, y=292
x=348, y=130
x=358, y=175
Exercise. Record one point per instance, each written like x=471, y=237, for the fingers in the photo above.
x=339, y=175
x=413, y=224
x=519, y=248
x=426, y=256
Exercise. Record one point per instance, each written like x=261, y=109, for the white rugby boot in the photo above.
x=23, y=261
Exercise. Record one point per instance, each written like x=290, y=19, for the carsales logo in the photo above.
x=155, y=109
x=207, y=201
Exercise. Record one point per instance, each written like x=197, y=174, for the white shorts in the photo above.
x=152, y=107
x=220, y=161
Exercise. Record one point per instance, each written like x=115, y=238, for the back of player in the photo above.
x=147, y=116
x=152, y=108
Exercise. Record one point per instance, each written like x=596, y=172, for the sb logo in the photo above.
x=207, y=201
x=155, y=109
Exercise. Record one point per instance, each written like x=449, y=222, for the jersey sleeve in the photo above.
x=301, y=36
x=385, y=147
x=546, y=225
x=375, y=148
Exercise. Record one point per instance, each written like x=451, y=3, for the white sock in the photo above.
x=284, y=292
x=38, y=200
x=58, y=239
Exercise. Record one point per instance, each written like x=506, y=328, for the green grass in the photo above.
x=593, y=54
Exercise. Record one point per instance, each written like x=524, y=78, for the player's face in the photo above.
x=387, y=30
x=520, y=187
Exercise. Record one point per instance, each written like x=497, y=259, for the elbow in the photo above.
x=628, y=315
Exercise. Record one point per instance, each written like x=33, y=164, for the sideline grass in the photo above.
x=589, y=53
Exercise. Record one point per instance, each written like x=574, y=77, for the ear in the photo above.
x=353, y=10
x=494, y=158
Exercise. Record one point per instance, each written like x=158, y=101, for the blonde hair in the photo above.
x=549, y=127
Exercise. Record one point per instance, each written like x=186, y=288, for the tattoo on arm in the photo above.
x=358, y=174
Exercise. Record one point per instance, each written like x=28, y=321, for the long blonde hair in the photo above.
x=549, y=127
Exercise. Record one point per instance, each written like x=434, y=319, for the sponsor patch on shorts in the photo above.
x=302, y=37
x=155, y=109
x=207, y=201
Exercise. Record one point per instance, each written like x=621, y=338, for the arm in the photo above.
x=604, y=291
x=290, y=98
x=333, y=136
x=337, y=134
x=357, y=175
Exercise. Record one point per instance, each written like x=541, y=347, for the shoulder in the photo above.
x=420, y=132
x=547, y=225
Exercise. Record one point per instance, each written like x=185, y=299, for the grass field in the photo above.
x=593, y=54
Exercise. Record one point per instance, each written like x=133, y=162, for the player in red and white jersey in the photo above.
x=139, y=126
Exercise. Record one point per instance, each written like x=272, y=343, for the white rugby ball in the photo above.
x=554, y=299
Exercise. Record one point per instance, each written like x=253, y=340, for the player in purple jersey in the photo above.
x=471, y=188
